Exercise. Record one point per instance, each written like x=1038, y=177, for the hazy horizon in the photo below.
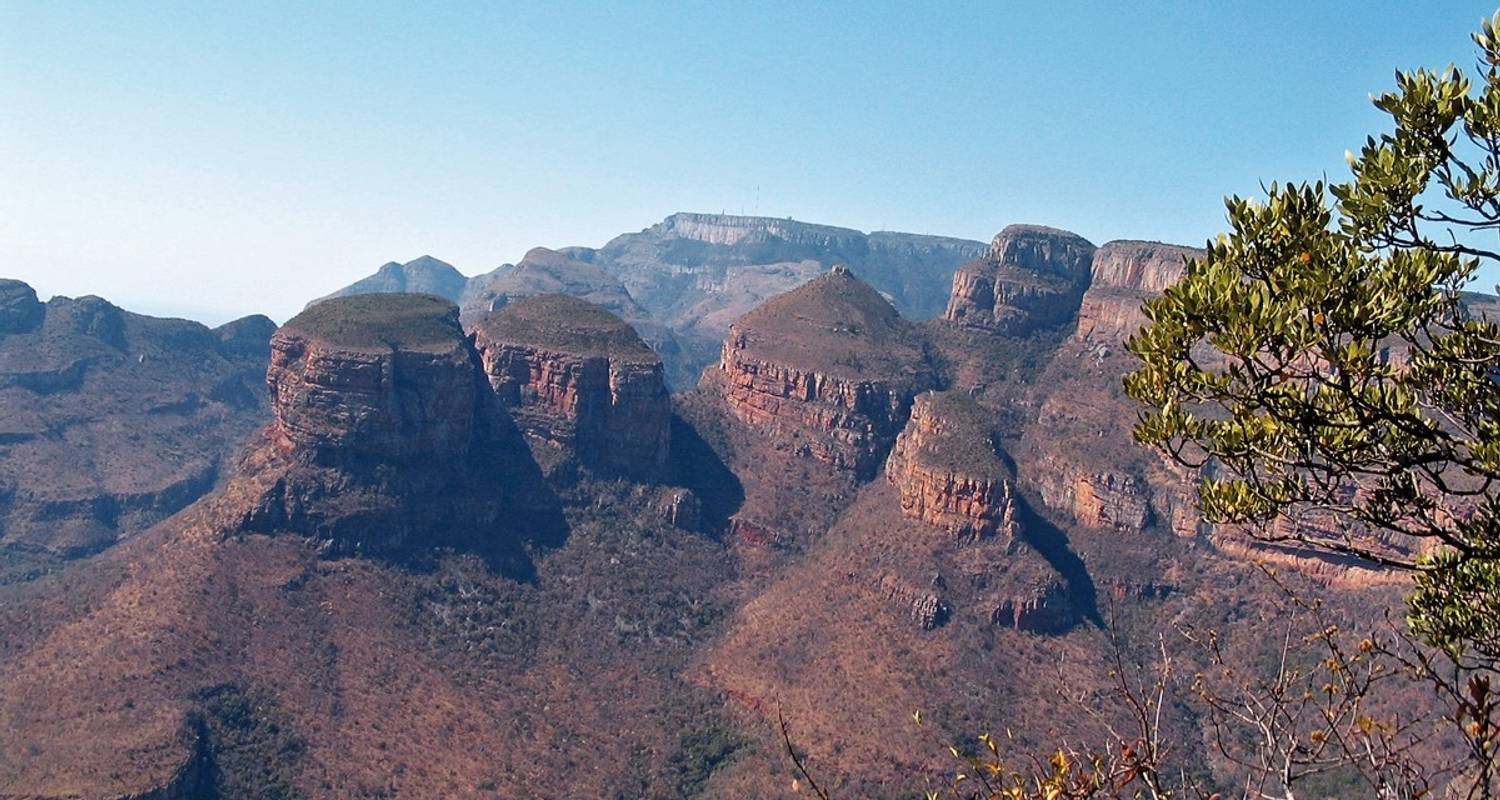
x=214, y=163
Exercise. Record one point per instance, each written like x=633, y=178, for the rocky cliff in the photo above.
x=829, y=370
x=580, y=382
x=946, y=471
x=383, y=436
x=1125, y=273
x=111, y=421
x=1031, y=277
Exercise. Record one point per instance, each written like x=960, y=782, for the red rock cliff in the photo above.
x=382, y=438
x=947, y=472
x=578, y=380
x=1126, y=273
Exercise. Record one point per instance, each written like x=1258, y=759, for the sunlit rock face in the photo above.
x=1031, y=277
x=947, y=472
x=579, y=382
x=1125, y=274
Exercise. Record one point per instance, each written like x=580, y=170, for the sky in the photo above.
x=213, y=160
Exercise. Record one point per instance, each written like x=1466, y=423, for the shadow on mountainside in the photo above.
x=695, y=465
x=1052, y=543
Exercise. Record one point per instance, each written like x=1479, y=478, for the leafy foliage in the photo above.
x=1320, y=357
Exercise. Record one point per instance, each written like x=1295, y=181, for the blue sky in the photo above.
x=212, y=160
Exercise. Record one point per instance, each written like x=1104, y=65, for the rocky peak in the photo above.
x=579, y=382
x=20, y=310
x=246, y=336
x=829, y=368
x=947, y=472
x=1031, y=277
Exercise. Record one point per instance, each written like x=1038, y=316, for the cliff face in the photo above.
x=829, y=370
x=578, y=380
x=1031, y=277
x=382, y=437
x=1125, y=273
x=111, y=421
x=946, y=471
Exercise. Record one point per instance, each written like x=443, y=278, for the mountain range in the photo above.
x=595, y=523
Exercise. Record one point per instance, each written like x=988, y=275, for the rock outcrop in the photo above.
x=20, y=310
x=1125, y=273
x=946, y=470
x=111, y=421
x=1031, y=277
x=1044, y=609
x=579, y=381
x=829, y=370
x=383, y=435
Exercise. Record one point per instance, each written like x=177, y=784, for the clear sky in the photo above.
x=211, y=160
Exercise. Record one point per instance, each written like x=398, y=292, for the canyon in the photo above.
x=475, y=537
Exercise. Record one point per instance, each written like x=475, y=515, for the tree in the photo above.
x=1321, y=358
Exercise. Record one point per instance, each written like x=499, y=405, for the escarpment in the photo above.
x=1126, y=273
x=828, y=369
x=112, y=421
x=383, y=434
x=946, y=471
x=1031, y=277
x=579, y=382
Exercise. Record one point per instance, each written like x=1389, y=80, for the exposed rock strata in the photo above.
x=383, y=436
x=1125, y=273
x=829, y=370
x=578, y=379
x=946, y=470
x=1031, y=277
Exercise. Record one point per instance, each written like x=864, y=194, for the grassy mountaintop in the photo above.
x=834, y=324
x=563, y=322
x=381, y=321
x=963, y=443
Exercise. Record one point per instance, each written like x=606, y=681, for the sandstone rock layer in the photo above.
x=578, y=379
x=946, y=470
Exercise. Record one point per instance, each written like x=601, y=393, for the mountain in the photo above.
x=488, y=554
x=112, y=421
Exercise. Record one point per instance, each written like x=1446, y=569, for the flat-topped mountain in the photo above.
x=580, y=381
x=384, y=437
x=111, y=421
